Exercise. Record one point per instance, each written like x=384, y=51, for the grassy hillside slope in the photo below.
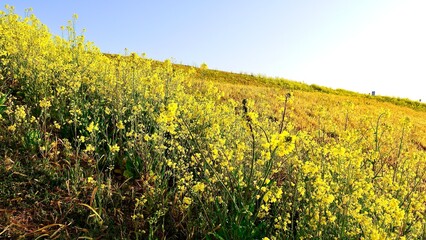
x=96, y=146
x=348, y=107
x=258, y=80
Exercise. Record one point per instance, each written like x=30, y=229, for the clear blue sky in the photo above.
x=359, y=45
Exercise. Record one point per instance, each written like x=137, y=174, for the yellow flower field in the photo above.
x=108, y=146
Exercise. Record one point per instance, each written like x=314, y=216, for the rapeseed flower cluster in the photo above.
x=174, y=156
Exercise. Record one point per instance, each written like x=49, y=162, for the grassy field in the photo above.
x=99, y=146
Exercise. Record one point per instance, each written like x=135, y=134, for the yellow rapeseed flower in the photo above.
x=82, y=139
x=57, y=125
x=92, y=127
x=44, y=103
x=120, y=125
x=114, y=148
x=90, y=180
x=89, y=148
x=12, y=128
x=187, y=201
x=20, y=113
x=199, y=187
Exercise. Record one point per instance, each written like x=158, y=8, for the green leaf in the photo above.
x=128, y=174
x=2, y=101
x=2, y=108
